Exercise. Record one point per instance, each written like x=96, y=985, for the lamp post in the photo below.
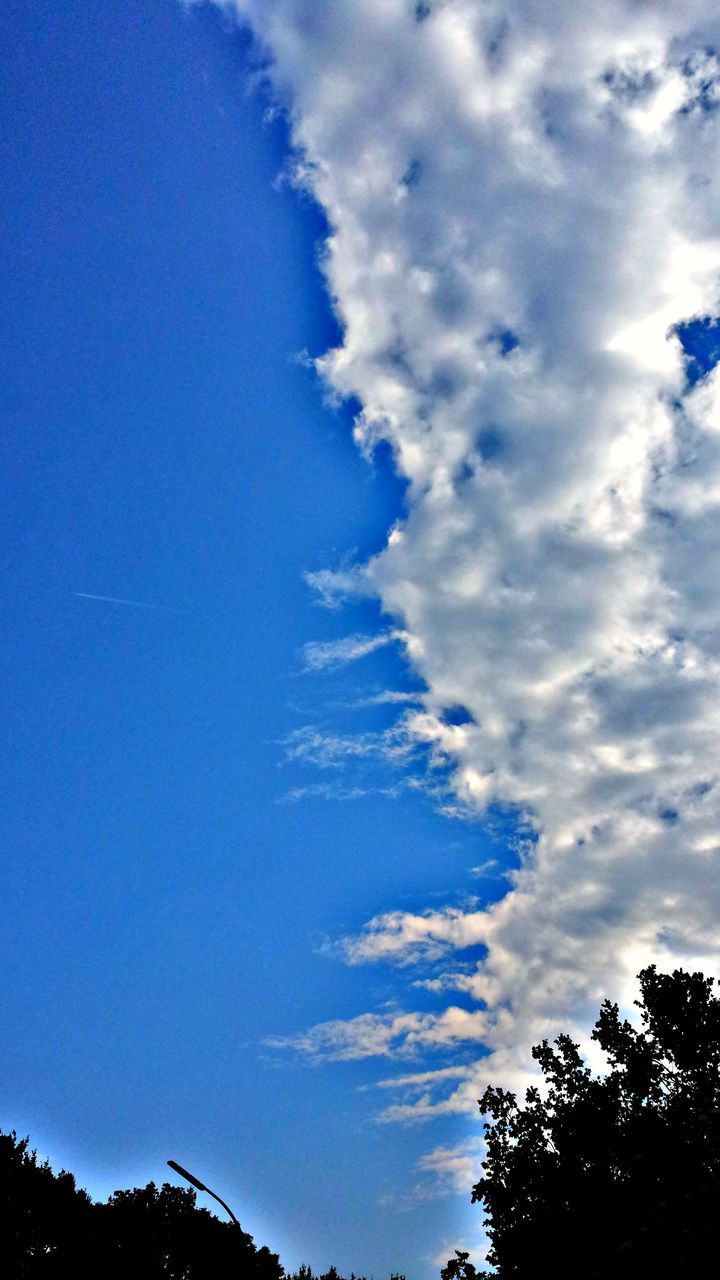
x=195, y=1182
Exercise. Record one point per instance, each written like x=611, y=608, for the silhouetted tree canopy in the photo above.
x=306, y=1273
x=51, y=1230
x=612, y=1176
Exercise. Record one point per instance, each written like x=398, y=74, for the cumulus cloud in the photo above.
x=524, y=205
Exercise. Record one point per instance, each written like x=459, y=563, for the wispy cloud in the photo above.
x=334, y=586
x=404, y=938
x=451, y=1169
x=419, y=1080
x=387, y=697
x=326, y=750
x=489, y=869
x=374, y=1035
x=338, y=791
x=319, y=655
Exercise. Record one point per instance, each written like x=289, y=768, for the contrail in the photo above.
x=134, y=604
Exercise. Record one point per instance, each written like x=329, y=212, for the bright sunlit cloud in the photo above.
x=524, y=203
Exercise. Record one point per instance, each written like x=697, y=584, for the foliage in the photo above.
x=616, y=1175
x=50, y=1230
x=42, y=1215
x=306, y=1273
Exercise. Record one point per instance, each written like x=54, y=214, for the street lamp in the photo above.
x=201, y=1187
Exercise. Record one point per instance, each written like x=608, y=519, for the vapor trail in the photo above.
x=133, y=604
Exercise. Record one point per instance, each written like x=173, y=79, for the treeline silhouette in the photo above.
x=595, y=1176
x=52, y=1230
x=612, y=1176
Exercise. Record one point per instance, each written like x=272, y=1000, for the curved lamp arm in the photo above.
x=195, y=1182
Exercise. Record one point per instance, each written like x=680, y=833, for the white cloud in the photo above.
x=488, y=869
x=337, y=791
x=332, y=750
x=321, y=654
x=388, y=696
x=525, y=200
x=402, y=937
x=382, y=1035
x=334, y=586
x=455, y=1168
x=419, y=1079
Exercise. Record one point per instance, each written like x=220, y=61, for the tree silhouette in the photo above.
x=304, y=1272
x=51, y=1229
x=160, y=1232
x=43, y=1215
x=611, y=1176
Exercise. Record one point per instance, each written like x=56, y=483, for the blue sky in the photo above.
x=244, y=887
x=163, y=906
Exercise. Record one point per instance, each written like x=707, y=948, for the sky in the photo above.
x=361, y=566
